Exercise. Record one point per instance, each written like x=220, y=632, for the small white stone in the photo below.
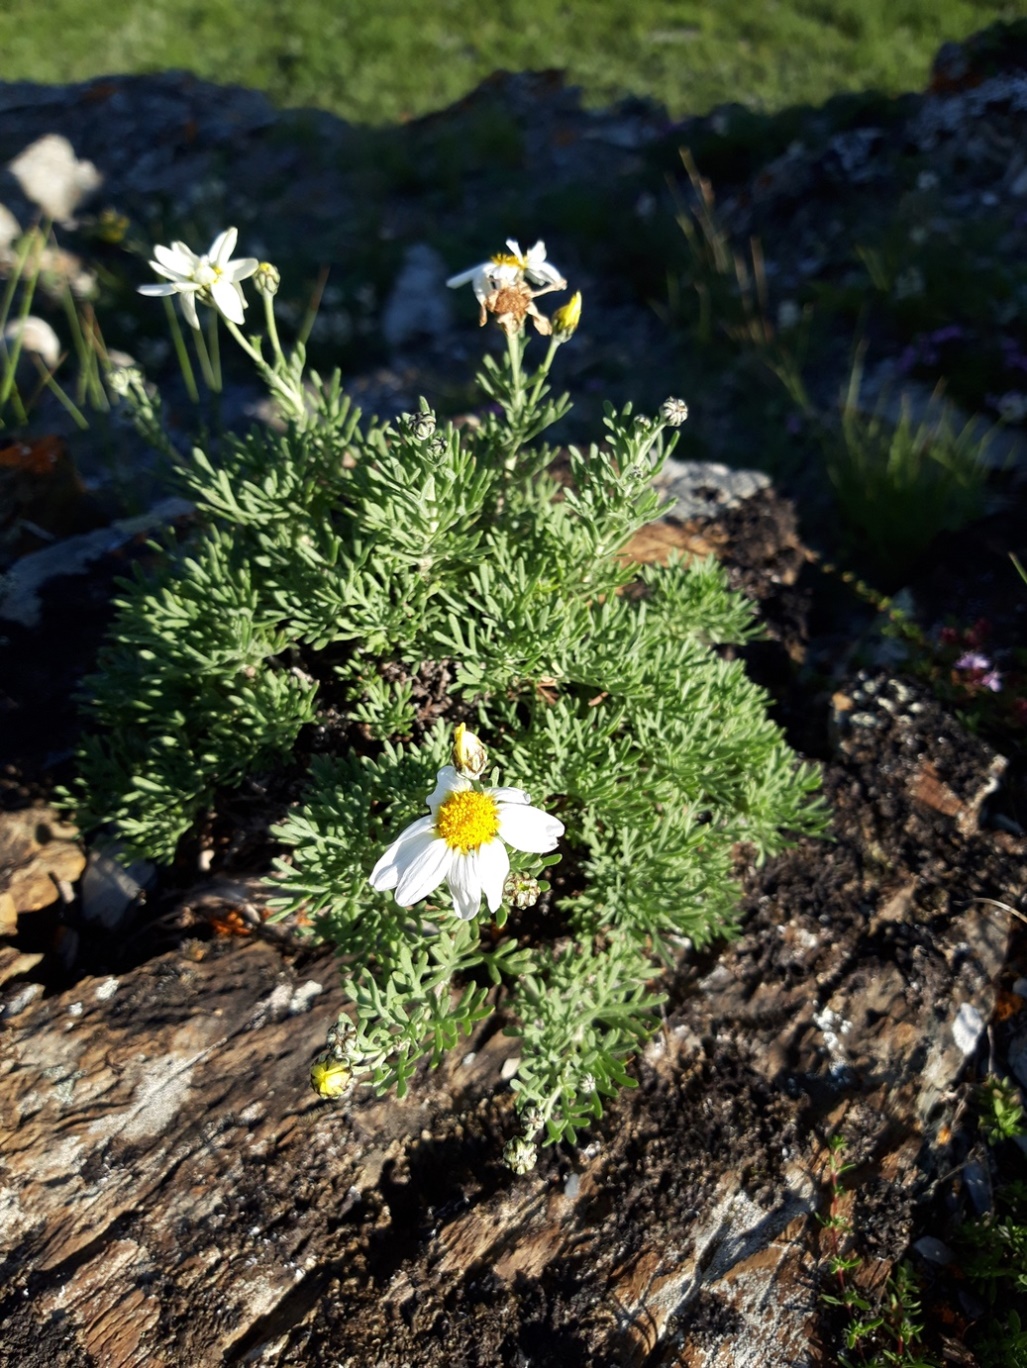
x=76, y=1009
x=967, y=1028
x=106, y=989
x=510, y=1068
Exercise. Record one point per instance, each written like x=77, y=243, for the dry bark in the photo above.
x=174, y=1195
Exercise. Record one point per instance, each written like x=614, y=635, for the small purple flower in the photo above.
x=992, y=680
x=972, y=660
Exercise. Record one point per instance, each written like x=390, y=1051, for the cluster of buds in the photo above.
x=503, y=287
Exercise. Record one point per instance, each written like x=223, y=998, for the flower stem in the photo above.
x=184, y=364
x=204, y=359
x=272, y=329
x=291, y=398
x=215, y=348
x=543, y=371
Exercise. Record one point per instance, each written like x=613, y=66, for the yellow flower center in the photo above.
x=508, y=259
x=467, y=819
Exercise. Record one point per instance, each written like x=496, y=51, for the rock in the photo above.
x=52, y=177
x=109, y=887
x=419, y=306
x=20, y=589
x=39, y=852
x=704, y=489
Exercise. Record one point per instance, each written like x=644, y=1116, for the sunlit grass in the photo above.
x=395, y=59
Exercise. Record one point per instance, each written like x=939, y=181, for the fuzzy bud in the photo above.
x=267, y=279
x=421, y=426
x=532, y=1118
x=520, y=1155
x=330, y=1077
x=566, y=319
x=674, y=412
x=469, y=755
x=521, y=891
x=121, y=380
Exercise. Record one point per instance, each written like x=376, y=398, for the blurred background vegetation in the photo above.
x=397, y=59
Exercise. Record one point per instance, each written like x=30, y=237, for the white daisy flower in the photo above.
x=463, y=843
x=510, y=268
x=213, y=277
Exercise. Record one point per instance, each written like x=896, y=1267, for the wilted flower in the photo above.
x=462, y=844
x=500, y=285
x=674, y=412
x=213, y=278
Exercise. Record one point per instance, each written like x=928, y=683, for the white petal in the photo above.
x=178, y=258
x=241, y=269
x=424, y=872
x=223, y=246
x=515, y=249
x=157, y=289
x=187, y=299
x=493, y=867
x=529, y=828
x=545, y=273
x=464, y=883
x=410, y=840
x=448, y=782
x=169, y=274
x=229, y=300
x=509, y=795
x=464, y=278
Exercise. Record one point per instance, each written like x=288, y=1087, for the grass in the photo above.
x=398, y=59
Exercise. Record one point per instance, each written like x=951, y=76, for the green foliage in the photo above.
x=30, y=276
x=994, y=1257
x=383, y=581
x=884, y=1329
x=1002, y=1115
x=402, y=58
x=900, y=483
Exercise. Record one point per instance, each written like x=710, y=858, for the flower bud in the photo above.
x=521, y=891
x=121, y=380
x=469, y=755
x=330, y=1077
x=674, y=412
x=421, y=426
x=267, y=279
x=520, y=1155
x=566, y=319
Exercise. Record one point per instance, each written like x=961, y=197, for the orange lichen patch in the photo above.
x=230, y=923
x=653, y=544
x=1007, y=1004
x=928, y=788
x=39, y=458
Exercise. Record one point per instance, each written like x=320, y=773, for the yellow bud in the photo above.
x=329, y=1077
x=567, y=318
x=469, y=755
